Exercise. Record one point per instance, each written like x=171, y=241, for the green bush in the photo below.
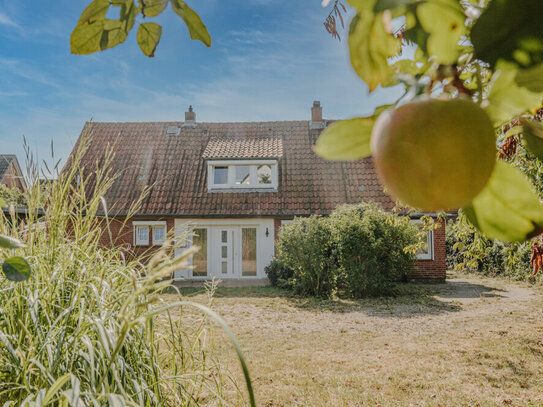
x=359, y=250
x=306, y=247
x=470, y=251
x=371, y=249
x=278, y=273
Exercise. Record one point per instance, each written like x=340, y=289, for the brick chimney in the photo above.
x=316, y=116
x=190, y=118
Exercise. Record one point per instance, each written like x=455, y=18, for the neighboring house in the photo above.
x=232, y=185
x=10, y=172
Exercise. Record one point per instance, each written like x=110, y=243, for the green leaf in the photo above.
x=152, y=8
x=444, y=21
x=507, y=208
x=346, y=139
x=510, y=30
x=531, y=79
x=506, y=99
x=86, y=38
x=99, y=33
x=95, y=11
x=148, y=37
x=533, y=136
x=197, y=29
x=7, y=242
x=16, y=268
x=113, y=34
x=370, y=45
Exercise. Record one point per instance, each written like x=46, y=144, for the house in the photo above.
x=10, y=172
x=233, y=185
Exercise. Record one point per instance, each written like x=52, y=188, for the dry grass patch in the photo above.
x=467, y=342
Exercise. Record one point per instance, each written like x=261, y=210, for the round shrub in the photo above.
x=306, y=247
x=278, y=273
x=372, y=248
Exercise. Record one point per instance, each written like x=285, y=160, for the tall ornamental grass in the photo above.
x=89, y=327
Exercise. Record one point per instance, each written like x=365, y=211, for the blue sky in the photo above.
x=269, y=60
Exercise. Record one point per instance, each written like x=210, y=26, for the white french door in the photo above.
x=223, y=266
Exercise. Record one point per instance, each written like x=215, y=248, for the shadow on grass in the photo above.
x=408, y=300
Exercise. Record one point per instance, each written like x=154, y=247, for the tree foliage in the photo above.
x=488, y=51
x=95, y=32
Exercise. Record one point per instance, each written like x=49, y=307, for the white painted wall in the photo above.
x=265, y=244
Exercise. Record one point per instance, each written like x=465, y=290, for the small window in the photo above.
x=142, y=235
x=159, y=234
x=149, y=230
x=238, y=174
x=220, y=175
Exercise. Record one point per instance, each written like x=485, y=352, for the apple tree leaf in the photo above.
x=531, y=78
x=533, y=136
x=506, y=99
x=197, y=29
x=510, y=30
x=507, y=208
x=148, y=37
x=16, y=268
x=346, y=140
x=444, y=21
x=7, y=242
x=370, y=46
x=152, y=8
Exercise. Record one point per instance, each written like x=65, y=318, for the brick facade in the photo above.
x=12, y=179
x=434, y=269
x=124, y=236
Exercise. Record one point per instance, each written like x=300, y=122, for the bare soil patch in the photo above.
x=469, y=341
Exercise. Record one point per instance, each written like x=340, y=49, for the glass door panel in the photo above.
x=248, y=252
x=199, y=259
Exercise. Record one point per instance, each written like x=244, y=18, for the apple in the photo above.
x=434, y=154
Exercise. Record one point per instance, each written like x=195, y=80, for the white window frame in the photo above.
x=150, y=234
x=429, y=255
x=231, y=182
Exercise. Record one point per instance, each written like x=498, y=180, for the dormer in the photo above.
x=243, y=164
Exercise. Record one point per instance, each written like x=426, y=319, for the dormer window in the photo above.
x=242, y=175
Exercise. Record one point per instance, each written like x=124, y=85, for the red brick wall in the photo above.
x=12, y=178
x=434, y=269
x=124, y=235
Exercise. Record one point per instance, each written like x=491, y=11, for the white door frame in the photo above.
x=264, y=241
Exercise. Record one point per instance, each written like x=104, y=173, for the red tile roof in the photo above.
x=176, y=167
x=235, y=148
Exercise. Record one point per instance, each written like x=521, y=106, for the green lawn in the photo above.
x=466, y=342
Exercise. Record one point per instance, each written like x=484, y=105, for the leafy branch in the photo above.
x=94, y=32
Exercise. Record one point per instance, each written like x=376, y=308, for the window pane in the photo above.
x=220, y=175
x=243, y=174
x=224, y=266
x=264, y=174
x=143, y=234
x=224, y=252
x=199, y=259
x=158, y=234
x=224, y=236
x=248, y=252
